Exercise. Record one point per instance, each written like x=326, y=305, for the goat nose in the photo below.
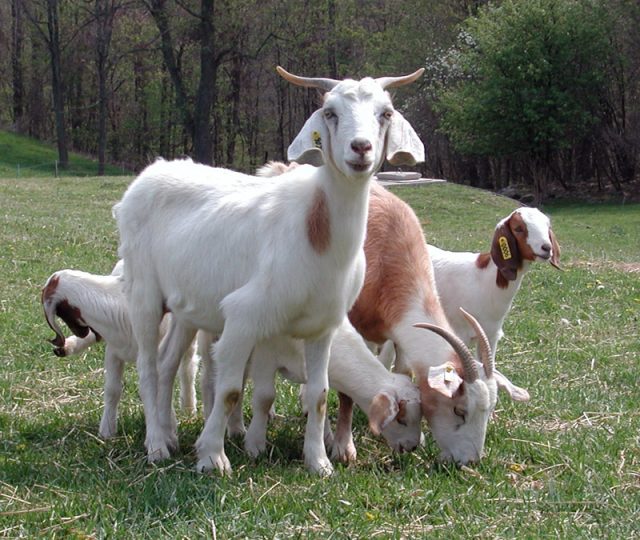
x=361, y=146
x=546, y=248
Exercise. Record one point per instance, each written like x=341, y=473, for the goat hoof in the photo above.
x=321, y=467
x=220, y=463
x=254, y=446
x=157, y=454
x=107, y=432
x=346, y=454
x=236, y=431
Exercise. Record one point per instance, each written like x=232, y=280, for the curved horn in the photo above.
x=394, y=82
x=307, y=82
x=468, y=361
x=485, y=348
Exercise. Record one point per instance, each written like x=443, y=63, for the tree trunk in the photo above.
x=16, y=65
x=539, y=172
x=332, y=61
x=234, y=122
x=157, y=9
x=202, y=142
x=56, y=81
x=104, y=13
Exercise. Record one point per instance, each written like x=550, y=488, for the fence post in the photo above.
x=56, y=168
x=18, y=170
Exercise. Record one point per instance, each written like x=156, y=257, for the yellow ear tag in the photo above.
x=449, y=374
x=317, y=139
x=504, y=247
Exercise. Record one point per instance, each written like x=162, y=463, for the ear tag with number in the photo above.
x=504, y=248
x=317, y=139
x=449, y=374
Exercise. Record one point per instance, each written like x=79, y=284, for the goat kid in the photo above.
x=249, y=259
x=390, y=400
x=94, y=308
x=485, y=284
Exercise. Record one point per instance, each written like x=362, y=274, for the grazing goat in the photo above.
x=399, y=290
x=249, y=259
x=390, y=400
x=94, y=308
x=485, y=284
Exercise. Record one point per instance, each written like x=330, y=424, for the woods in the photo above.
x=129, y=80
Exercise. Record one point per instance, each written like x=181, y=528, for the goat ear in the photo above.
x=382, y=411
x=444, y=379
x=505, y=253
x=308, y=145
x=404, y=147
x=555, y=249
x=515, y=392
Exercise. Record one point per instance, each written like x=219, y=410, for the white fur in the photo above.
x=231, y=254
x=103, y=307
x=391, y=400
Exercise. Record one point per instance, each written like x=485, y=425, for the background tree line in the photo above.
x=538, y=91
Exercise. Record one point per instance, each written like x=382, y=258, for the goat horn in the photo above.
x=394, y=82
x=468, y=361
x=307, y=82
x=485, y=348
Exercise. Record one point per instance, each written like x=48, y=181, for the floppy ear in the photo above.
x=555, y=248
x=404, y=147
x=382, y=411
x=505, y=254
x=444, y=379
x=308, y=145
x=515, y=392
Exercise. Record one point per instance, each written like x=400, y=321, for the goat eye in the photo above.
x=460, y=412
x=519, y=229
x=329, y=114
x=387, y=114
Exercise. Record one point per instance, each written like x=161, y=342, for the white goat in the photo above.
x=485, y=284
x=94, y=308
x=390, y=400
x=249, y=259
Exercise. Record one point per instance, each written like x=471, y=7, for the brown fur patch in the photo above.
x=521, y=233
x=319, y=222
x=345, y=414
x=50, y=288
x=482, y=260
x=505, y=254
x=231, y=400
x=72, y=317
x=398, y=268
x=321, y=406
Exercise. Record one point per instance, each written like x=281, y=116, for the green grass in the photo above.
x=24, y=157
x=565, y=465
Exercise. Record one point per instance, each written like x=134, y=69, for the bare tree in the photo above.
x=17, y=39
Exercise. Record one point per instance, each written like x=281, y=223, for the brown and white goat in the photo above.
x=399, y=291
x=485, y=284
x=94, y=308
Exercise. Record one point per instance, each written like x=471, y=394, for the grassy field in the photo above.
x=25, y=157
x=565, y=465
